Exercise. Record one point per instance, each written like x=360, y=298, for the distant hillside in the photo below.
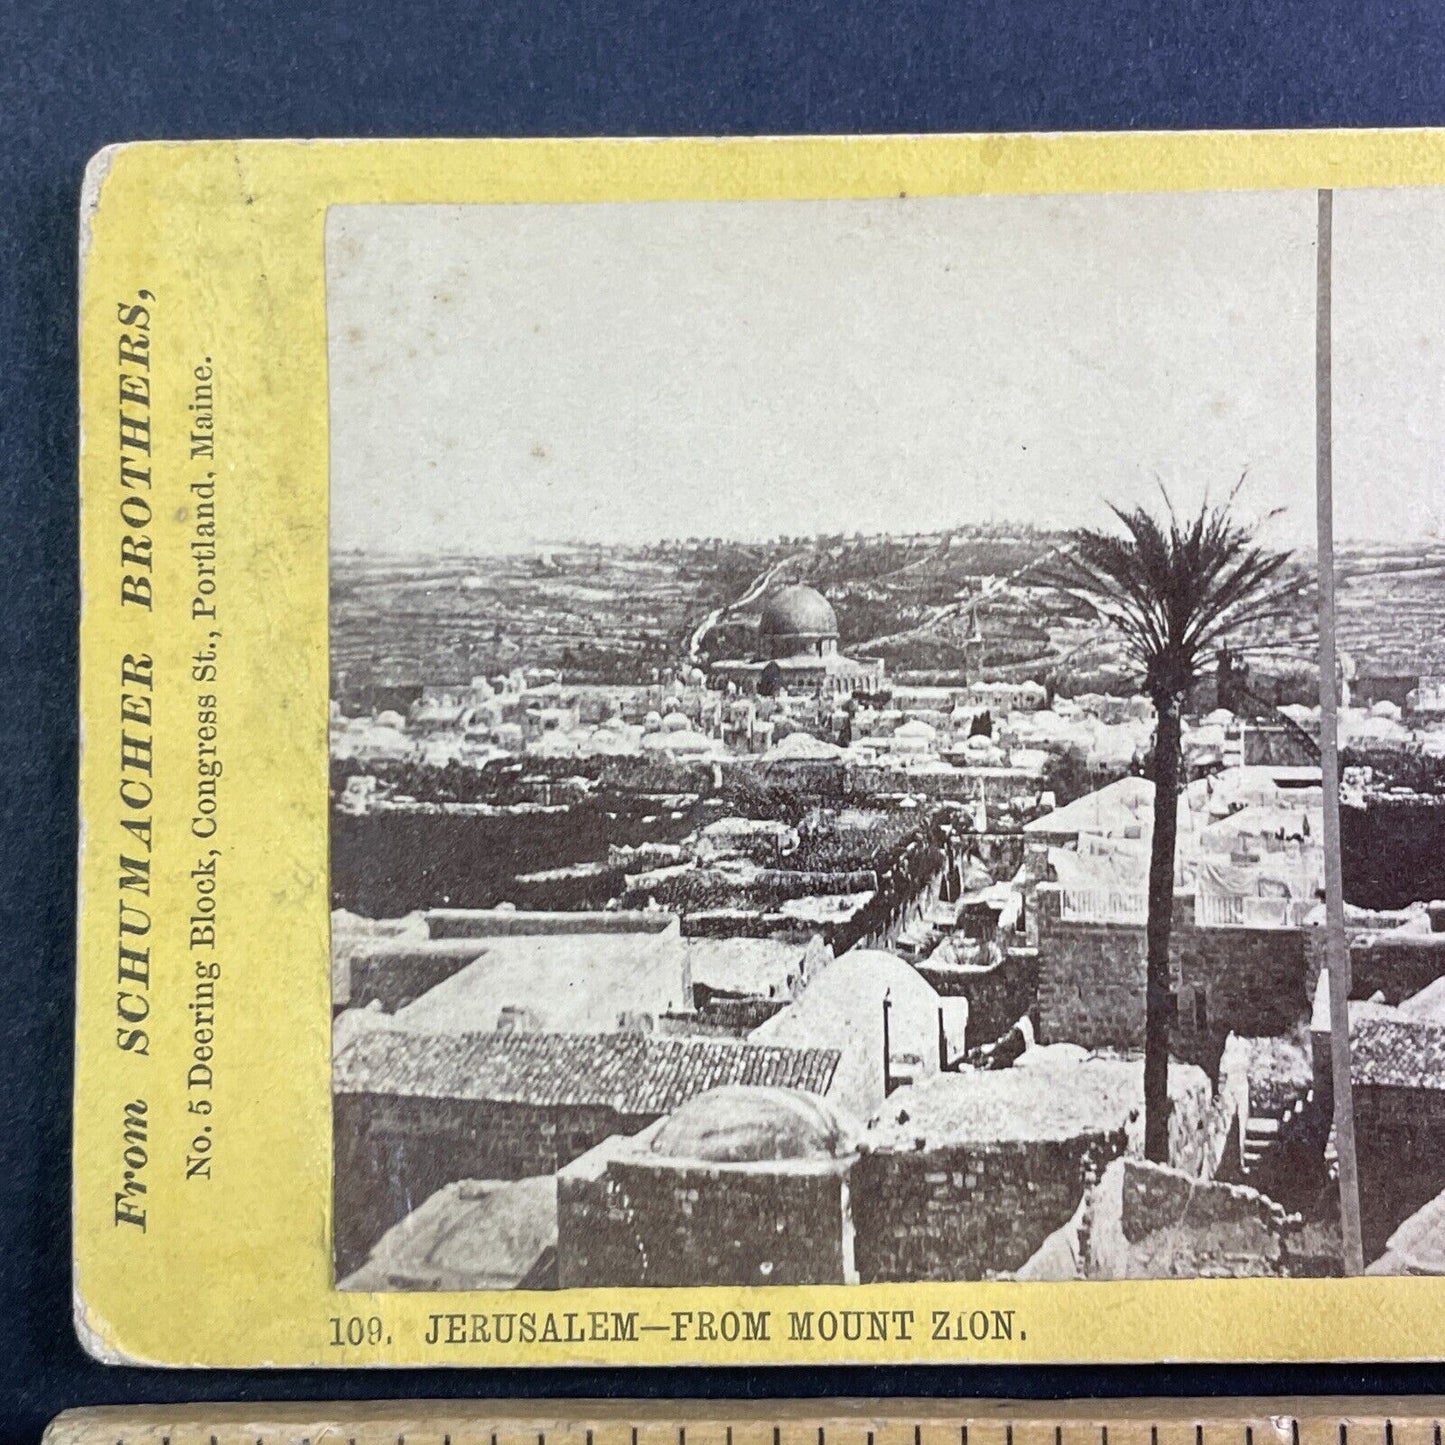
x=615, y=614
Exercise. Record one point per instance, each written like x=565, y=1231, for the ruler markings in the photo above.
x=1335, y=1421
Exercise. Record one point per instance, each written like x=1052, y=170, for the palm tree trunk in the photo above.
x=1159, y=983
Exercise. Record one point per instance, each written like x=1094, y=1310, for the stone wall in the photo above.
x=966, y=1211
x=623, y=1222
x=762, y=889
x=1392, y=963
x=743, y=923
x=1091, y=979
x=1145, y=1221
x=652, y=773
x=1207, y=1124
x=1400, y=1146
x=1230, y=1230
x=731, y=1015
x=999, y=994
x=963, y=785
x=969, y=1210
x=1393, y=850
x=467, y=923
x=393, y=975
x=1256, y=981
x=394, y=1152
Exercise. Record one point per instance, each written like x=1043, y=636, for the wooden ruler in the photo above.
x=1321, y=1421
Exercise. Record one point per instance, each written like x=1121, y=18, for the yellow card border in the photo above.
x=222, y=243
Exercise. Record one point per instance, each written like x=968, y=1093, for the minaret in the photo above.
x=973, y=647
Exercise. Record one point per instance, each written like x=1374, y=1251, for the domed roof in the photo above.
x=798, y=612
x=741, y=1123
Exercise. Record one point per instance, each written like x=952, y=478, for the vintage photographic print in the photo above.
x=825, y=767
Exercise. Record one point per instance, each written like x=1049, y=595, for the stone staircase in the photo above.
x=1283, y=1154
x=1261, y=1134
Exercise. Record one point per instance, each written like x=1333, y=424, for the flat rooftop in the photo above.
x=561, y=983
x=759, y=967
x=1052, y=1093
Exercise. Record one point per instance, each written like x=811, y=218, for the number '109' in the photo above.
x=356, y=1330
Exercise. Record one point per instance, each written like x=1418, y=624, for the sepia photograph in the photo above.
x=828, y=739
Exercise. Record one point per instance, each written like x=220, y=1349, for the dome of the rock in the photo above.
x=797, y=619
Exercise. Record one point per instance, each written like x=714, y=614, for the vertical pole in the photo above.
x=1336, y=948
x=887, y=1045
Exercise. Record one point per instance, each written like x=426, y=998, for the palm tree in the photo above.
x=1172, y=590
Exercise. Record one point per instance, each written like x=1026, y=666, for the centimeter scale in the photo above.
x=1318, y=1421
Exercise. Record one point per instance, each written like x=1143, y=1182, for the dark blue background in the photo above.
x=74, y=76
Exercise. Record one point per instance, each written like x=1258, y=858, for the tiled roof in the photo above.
x=632, y=1073
x=1398, y=1053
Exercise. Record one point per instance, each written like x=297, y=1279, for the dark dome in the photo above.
x=741, y=1123
x=798, y=612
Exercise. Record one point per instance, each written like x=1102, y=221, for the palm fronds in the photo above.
x=1174, y=589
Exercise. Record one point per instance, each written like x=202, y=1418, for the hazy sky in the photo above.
x=505, y=376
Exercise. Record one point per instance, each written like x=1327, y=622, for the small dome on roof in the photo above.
x=798, y=612
x=742, y=1123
